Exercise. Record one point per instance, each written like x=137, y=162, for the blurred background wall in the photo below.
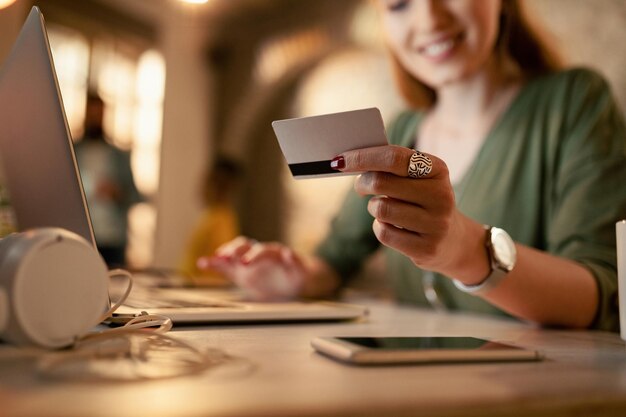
x=187, y=82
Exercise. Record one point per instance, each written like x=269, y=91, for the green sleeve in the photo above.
x=351, y=239
x=589, y=194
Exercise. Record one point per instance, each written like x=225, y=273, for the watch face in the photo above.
x=503, y=248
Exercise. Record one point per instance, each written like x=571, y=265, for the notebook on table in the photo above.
x=45, y=189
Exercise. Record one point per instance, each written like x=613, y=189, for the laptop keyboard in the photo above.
x=168, y=301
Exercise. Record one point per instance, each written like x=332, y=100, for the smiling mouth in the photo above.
x=440, y=48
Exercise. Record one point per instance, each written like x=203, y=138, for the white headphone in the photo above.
x=53, y=287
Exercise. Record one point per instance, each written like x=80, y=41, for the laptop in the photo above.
x=45, y=190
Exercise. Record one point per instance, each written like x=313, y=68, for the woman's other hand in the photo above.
x=264, y=271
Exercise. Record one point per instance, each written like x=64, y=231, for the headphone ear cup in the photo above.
x=55, y=285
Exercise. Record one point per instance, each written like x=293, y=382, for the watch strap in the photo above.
x=496, y=274
x=492, y=280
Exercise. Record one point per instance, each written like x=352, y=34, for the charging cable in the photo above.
x=138, y=350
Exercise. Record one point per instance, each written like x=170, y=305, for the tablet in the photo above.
x=397, y=350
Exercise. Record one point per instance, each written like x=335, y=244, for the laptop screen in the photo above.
x=36, y=148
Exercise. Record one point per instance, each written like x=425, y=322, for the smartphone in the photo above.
x=398, y=350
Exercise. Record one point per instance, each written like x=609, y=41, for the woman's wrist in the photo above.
x=470, y=261
x=320, y=281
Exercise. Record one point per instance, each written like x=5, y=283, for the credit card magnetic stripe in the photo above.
x=312, y=168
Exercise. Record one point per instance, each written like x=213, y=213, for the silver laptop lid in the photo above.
x=35, y=144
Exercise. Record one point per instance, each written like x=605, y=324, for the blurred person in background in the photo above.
x=217, y=225
x=108, y=182
x=506, y=138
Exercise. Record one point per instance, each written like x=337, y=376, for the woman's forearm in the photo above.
x=542, y=288
x=548, y=290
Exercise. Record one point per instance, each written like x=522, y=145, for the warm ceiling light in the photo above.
x=6, y=3
x=190, y=1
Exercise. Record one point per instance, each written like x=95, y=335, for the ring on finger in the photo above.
x=419, y=165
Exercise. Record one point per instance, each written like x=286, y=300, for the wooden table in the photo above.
x=584, y=374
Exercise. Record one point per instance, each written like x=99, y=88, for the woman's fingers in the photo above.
x=266, y=280
x=422, y=249
x=262, y=251
x=394, y=160
x=406, y=216
x=431, y=193
x=236, y=248
x=387, y=171
x=291, y=260
x=227, y=257
x=264, y=271
x=212, y=262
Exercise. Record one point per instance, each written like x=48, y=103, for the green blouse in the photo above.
x=552, y=173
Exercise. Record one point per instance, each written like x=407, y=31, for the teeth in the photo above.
x=438, y=48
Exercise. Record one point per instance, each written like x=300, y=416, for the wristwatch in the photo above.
x=502, y=256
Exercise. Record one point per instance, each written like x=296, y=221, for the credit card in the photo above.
x=310, y=143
